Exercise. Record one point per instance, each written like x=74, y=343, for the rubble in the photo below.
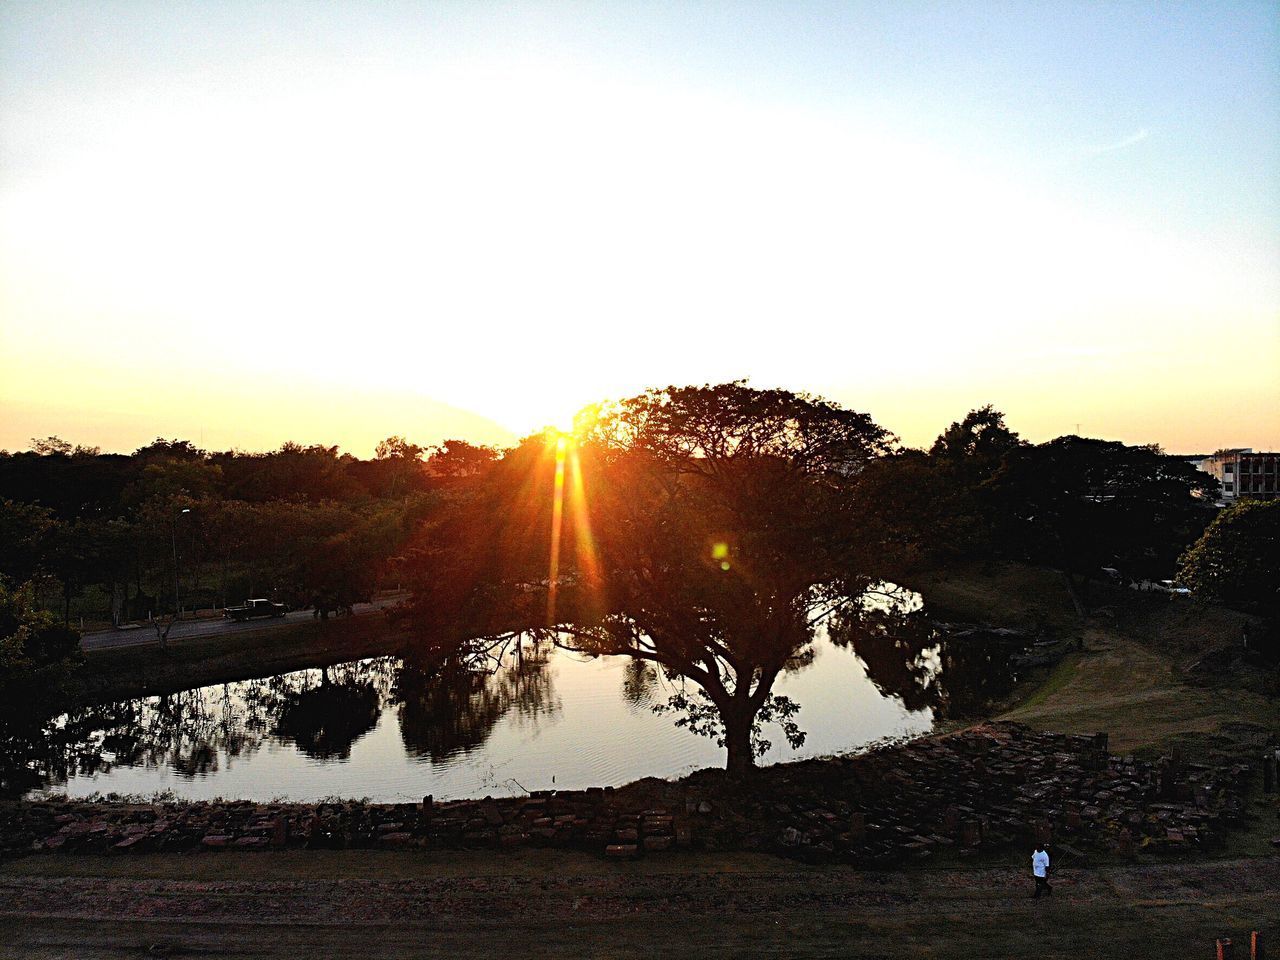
x=972, y=792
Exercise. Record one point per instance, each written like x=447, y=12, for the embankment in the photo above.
x=148, y=670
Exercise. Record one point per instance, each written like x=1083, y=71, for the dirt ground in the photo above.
x=370, y=905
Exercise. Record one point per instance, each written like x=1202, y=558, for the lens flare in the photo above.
x=584, y=542
x=569, y=473
x=557, y=522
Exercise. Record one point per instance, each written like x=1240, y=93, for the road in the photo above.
x=196, y=629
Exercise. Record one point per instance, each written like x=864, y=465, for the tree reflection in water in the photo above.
x=640, y=683
x=449, y=709
x=445, y=709
x=954, y=673
x=326, y=720
x=195, y=732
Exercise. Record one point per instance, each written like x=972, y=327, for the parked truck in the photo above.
x=256, y=608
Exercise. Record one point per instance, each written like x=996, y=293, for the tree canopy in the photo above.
x=38, y=657
x=1081, y=504
x=1237, y=559
x=110, y=536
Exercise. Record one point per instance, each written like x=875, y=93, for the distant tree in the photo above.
x=162, y=449
x=401, y=462
x=167, y=479
x=51, y=447
x=73, y=559
x=268, y=521
x=1237, y=559
x=38, y=658
x=1080, y=504
x=457, y=459
x=292, y=472
x=942, y=505
x=978, y=443
x=57, y=447
x=229, y=534
x=25, y=530
x=71, y=485
x=398, y=448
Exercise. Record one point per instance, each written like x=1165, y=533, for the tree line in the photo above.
x=708, y=531
x=124, y=537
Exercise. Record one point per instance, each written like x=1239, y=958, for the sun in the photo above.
x=559, y=438
x=568, y=431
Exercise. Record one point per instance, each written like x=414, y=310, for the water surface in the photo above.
x=393, y=731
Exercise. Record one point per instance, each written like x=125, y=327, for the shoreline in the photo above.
x=142, y=671
x=962, y=795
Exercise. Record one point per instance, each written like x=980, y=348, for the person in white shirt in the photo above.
x=1040, y=870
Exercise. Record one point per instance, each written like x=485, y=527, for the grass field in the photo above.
x=1125, y=687
x=1128, y=678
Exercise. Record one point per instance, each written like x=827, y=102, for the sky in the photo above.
x=245, y=223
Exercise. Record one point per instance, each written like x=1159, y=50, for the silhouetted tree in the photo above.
x=458, y=460
x=25, y=529
x=703, y=529
x=38, y=658
x=1079, y=504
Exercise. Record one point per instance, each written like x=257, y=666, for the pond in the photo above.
x=393, y=731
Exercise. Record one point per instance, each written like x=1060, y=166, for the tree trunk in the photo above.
x=737, y=737
x=1075, y=596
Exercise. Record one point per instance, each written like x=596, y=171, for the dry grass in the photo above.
x=1006, y=594
x=1136, y=694
x=1128, y=679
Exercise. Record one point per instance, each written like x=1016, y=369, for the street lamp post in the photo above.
x=173, y=530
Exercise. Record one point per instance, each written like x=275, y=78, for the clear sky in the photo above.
x=249, y=222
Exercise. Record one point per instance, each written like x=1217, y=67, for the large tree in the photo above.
x=1237, y=559
x=704, y=529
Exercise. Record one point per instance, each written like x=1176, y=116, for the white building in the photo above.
x=1244, y=473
